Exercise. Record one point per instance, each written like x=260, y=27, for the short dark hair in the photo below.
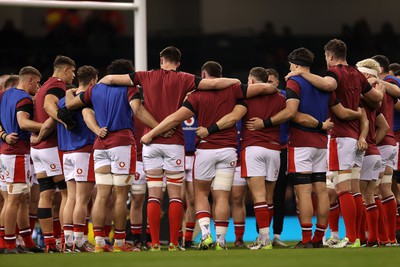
x=171, y=53
x=62, y=61
x=395, y=67
x=213, y=68
x=337, y=47
x=85, y=74
x=301, y=56
x=259, y=73
x=271, y=71
x=11, y=81
x=29, y=70
x=383, y=62
x=120, y=66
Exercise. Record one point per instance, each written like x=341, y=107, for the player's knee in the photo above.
x=154, y=180
x=62, y=185
x=301, y=178
x=386, y=179
x=355, y=173
x=46, y=184
x=223, y=180
x=175, y=179
x=138, y=189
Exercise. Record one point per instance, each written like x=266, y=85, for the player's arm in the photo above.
x=47, y=128
x=216, y=83
x=382, y=128
x=91, y=123
x=374, y=95
x=390, y=88
x=119, y=79
x=10, y=139
x=142, y=113
x=364, y=128
x=24, y=111
x=73, y=102
x=345, y=113
x=260, y=89
x=168, y=123
x=397, y=106
x=326, y=83
x=51, y=102
x=227, y=121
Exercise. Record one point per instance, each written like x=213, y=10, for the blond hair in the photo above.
x=369, y=66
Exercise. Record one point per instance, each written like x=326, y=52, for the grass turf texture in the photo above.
x=385, y=256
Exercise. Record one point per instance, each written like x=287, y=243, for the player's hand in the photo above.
x=373, y=81
x=202, y=132
x=146, y=139
x=292, y=73
x=168, y=134
x=255, y=124
x=102, y=132
x=72, y=91
x=35, y=139
x=327, y=125
x=362, y=145
x=11, y=138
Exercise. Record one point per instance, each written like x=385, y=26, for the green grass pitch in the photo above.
x=364, y=257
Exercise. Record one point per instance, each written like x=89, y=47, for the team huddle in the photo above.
x=69, y=154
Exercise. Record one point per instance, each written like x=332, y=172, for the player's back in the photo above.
x=264, y=107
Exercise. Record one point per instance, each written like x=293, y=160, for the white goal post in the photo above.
x=137, y=6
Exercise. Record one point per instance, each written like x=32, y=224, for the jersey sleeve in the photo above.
x=86, y=97
x=56, y=91
x=25, y=105
x=191, y=103
x=366, y=86
x=191, y=81
x=132, y=91
x=333, y=73
x=293, y=90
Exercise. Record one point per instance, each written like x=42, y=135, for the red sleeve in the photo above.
x=24, y=102
x=238, y=91
x=87, y=98
x=132, y=91
x=193, y=101
x=139, y=75
x=189, y=81
x=294, y=86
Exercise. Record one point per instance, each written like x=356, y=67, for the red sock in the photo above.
x=86, y=230
x=398, y=218
x=175, y=219
x=319, y=233
x=26, y=235
x=2, y=237
x=348, y=210
x=270, y=212
x=261, y=213
x=382, y=235
x=99, y=231
x=306, y=231
x=136, y=229
x=359, y=212
x=189, y=231
x=389, y=209
x=154, y=218
x=372, y=220
x=119, y=234
x=10, y=241
x=363, y=227
x=239, y=230
x=56, y=228
x=79, y=228
x=333, y=218
x=49, y=240
x=32, y=221
x=107, y=230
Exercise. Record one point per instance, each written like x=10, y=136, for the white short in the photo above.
x=166, y=157
x=359, y=158
x=47, y=160
x=207, y=161
x=388, y=154
x=78, y=166
x=342, y=153
x=260, y=161
x=237, y=179
x=33, y=177
x=122, y=159
x=371, y=167
x=329, y=181
x=140, y=176
x=307, y=159
x=3, y=184
x=397, y=158
x=189, y=168
x=16, y=168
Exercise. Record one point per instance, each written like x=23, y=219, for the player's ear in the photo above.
x=178, y=64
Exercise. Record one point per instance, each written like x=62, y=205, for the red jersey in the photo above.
x=209, y=107
x=371, y=115
x=54, y=86
x=164, y=92
x=351, y=83
x=387, y=109
x=263, y=107
x=138, y=132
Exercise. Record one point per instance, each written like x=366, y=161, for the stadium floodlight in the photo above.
x=137, y=6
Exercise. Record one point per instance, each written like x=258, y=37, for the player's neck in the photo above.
x=168, y=66
x=22, y=87
x=82, y=88
x=58, y=75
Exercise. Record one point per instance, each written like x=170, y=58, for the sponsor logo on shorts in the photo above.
x=79, y=171
x=233, y=163
x=178, y=162
x=137, y=176
x=7, y=173
x=52, y=166
x=121, y=164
